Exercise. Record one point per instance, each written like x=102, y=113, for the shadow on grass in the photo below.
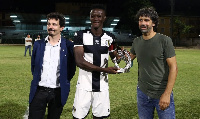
x=67, y=113
x=125, y=111
x=189, y=110
x=11, y=110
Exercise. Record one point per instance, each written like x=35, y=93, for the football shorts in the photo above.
x=84, y=99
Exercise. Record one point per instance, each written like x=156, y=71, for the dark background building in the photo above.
x=30, y=13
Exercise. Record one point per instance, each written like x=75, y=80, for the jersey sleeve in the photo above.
x=113, y=45
x=78, y=38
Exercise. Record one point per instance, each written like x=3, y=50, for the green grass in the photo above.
x=15, y=79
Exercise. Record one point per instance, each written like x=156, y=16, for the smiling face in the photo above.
x=145, y=24
x=97, y=17
x=53, y=27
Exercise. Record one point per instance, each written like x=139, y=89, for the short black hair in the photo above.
x=148, y=12
x=56, y=15
x=98, y=6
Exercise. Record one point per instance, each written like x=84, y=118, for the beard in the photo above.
x=144, y=30
x=148, y=28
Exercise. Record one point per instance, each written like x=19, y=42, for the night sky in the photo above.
x=183, y=7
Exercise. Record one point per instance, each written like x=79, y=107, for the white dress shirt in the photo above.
x=50, y=73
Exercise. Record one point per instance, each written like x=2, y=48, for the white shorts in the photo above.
x=84, y=99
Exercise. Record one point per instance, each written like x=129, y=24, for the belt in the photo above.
x=47, y=88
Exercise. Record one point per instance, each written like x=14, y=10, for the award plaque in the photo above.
x=124, y=56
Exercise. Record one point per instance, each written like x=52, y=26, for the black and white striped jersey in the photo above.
x=96, y=51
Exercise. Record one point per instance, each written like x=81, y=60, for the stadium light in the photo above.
x=116, y=20
x=43, y=20
x=67, y=22
x=16, y=21
x=13, y=16
x=66, y=17
x=88, y=22
x=113, y=24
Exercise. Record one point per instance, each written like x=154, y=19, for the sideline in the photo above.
x=12, y=44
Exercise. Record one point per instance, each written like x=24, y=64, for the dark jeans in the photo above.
x=50, y=98
x=147, y=105
x=26, y=48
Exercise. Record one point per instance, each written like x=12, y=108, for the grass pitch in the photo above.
x=15, y=79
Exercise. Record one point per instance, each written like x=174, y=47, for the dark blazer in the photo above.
x=67, y=67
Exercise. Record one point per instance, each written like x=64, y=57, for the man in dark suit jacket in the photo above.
x=52, y=66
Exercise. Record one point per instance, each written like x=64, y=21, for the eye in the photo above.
x=146, y=20
x=140, y=20
x=54, y=24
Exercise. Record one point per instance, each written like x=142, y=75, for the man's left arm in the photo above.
x=33, y=57
x=71, y=61
x=173, y=70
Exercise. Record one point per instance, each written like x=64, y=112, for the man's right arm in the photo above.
x=83, y=64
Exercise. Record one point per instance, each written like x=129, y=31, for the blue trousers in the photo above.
x=26, y=48
x=146, y=106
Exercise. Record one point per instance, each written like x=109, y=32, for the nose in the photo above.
x=95, y=18
x=142, y=22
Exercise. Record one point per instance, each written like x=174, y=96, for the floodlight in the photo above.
x=88, y=22
x=13, y=16
x=16, y=21
x=43, y=20
x=116, y=20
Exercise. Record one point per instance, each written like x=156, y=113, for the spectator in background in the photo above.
x=28, y=44
x=38, y=38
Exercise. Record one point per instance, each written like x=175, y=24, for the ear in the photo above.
x=104, y=18
x=61, y=29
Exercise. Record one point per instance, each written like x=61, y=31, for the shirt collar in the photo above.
x=47, y=41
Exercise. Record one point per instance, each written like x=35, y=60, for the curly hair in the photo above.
x=148, y=12
x=56, y=15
